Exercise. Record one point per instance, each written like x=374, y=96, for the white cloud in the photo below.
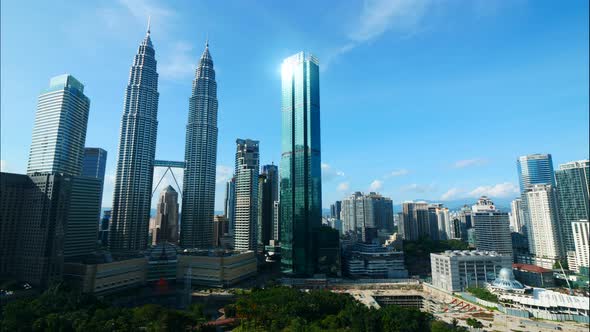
x=329, y=173
x=142, y=9
x=470, y=162
x=376, y=185
x=397, y=172
x=343, y=186
x=181, y=63
x=223, y=174
x=505, y=189
x=418, y=188
x=451, y=194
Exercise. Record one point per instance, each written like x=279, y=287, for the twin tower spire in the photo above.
x=134, y=175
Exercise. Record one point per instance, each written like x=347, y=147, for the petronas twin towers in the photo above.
x=137, y=147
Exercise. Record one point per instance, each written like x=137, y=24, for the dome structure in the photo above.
x=506, y=281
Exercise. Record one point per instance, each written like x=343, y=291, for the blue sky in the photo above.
x=419, y=99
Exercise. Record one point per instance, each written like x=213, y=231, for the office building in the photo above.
x=492, y=228
x=215, y=268
x=200, y=156
x=276, y=223
x=454, y=271
x=94, y=164
x=370, y=260
x=103, y=231
x=34, y=214
x=328, y=242
x=335, y=210
x=230, y=203
x=81, y=229
x=544, y=233
x=166, y=220
x=516, y=218
x=246, y=193
x=465, y=219
x=137, y=148
x=301, y=174
x=581, y=235
x=534, y=276
x=220, y=229
x=415, y=222
x=268, y=194
x=59, y=132
x=572, y=180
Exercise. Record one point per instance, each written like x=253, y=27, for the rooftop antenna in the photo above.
x=149, y=22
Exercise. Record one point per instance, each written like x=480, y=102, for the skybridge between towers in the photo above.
x=169, y=165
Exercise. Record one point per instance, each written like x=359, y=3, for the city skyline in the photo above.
x=464, y=170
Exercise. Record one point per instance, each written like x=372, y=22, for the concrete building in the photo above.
x=220, y=229
x=200, y=155
x=363, y=215
x=364, y=260
x=59, y=132
x=246, y=193
x=581, y=235
x=492, y=228
x=454, y=271
x=516, y=218
x=215, y=268
x=572, y=183
x=137, y=149
x=230, y=203
x=166, y=220
x=543, y=228
x=415, y=222
x=268, y=194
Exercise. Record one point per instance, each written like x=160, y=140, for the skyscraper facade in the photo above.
x=137, y=148
x=268, y=194
x=59, y=132
x=246, y=212
x=230, y=203
x=533, y=169
x=81, y=231
x=167, y=217
x=335, y=209
x=544, y=231
x=492, y=228
x=200, y=158
x=300, y=175
x=94, y=165
x=572, y=181
x=581, y=235
x=415, y=222
x=363, y=215
x=516, y=218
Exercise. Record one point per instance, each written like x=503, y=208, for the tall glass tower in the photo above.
x=532, y=169
x=137, y=148
x=572, y=180
x=246, y=191
x=59, y=133
x=300, y=173
x=200, y=156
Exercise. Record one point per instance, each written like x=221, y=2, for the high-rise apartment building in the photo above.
x=533, y=169
x=572, y=180
x=59, y=132
x=246, y=211
x=166, y=221
x=137, y=148
x=200, y=156
x=415, y=222
x=268, y=194
x=492, y=228
x=544, y=231
x=363, y=215
x=581, y=235
x=516, y=217
x=300, y=175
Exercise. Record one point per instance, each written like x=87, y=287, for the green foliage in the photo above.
x=483, y=294
x=286, y=309
x=63, y=309
x=474, y=323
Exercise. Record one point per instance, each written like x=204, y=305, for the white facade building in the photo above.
x=544, y=223
x=454, y=271
x=581, y=240
x=492, y=228
x=246, y=193
x=516, y=217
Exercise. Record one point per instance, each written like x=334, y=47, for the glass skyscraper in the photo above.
x=59, y=133
x=94, y=165
x=572, y=180
x=300, y=173
x=200, y=156
x=137, y=148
